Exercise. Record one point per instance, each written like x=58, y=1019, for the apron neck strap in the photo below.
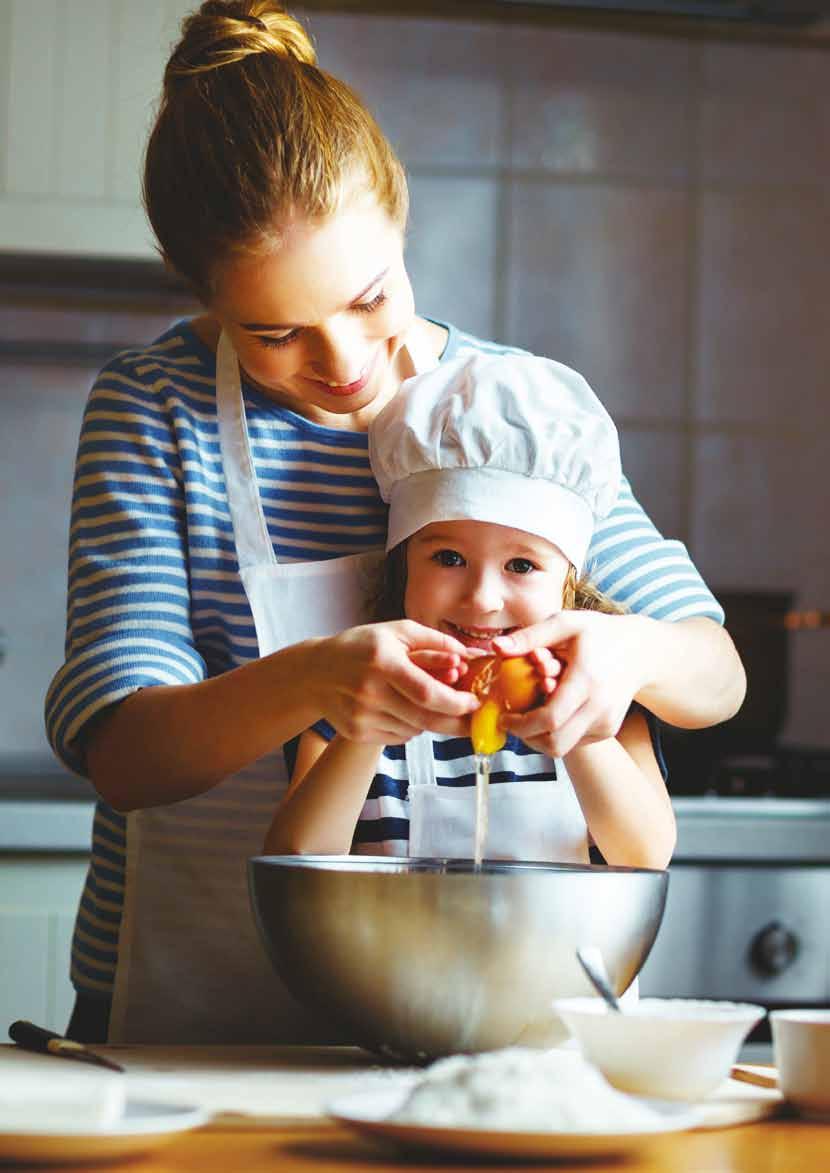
x=420, y=761
x=250, y=529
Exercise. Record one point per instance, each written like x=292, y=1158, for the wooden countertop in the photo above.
x=292, y=1084
x=773, y=1146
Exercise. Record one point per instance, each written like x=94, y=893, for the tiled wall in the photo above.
x=651, y=211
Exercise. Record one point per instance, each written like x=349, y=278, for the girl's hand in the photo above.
x=600, y=675
x=548, y=667
x=370, y=685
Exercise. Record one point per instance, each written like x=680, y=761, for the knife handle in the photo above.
x=37, y=1038
x=46, y=1042
x=34, y=1038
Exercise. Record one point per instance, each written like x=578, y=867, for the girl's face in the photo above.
x=319, y=322
x=475, y=580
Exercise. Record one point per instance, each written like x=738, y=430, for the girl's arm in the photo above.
x=623, y=797
x=320, y=810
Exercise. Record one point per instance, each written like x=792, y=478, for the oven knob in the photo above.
x=773, y=949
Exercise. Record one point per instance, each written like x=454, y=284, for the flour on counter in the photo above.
x=523, y=1090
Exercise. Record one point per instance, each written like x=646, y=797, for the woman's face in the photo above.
x=475, y=580
x=319, y=322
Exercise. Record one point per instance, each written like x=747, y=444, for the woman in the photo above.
x=223, y=529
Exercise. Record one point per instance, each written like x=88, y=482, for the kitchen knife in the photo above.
x=36, y=1038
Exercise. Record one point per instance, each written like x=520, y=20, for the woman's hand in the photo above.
x=375, y=683
x=687, y=673
x=592, y=671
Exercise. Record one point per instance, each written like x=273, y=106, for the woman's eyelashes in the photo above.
x=369, y=307
x=362, y=307
x=280, y=340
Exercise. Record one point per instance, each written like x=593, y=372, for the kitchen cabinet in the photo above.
x=39, y=895
x=82, y=81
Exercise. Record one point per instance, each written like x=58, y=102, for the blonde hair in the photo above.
x=250, y=131
x=580, y=594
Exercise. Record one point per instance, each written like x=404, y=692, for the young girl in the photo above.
x=495, y=469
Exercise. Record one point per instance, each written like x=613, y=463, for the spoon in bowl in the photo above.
x=590, y=958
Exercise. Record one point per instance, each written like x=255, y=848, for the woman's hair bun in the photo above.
x=222, y=32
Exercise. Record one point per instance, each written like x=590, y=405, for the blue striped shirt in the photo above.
x=154, y=590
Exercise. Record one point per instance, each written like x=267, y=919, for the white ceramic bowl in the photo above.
x=801, y=1042
x=671, y=1048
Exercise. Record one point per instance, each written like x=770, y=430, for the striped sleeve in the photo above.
x=630, y=561
x=128, y=602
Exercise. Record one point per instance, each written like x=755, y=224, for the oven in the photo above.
x=749, y=894
x=748, y=904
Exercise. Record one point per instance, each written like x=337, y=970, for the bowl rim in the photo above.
x=714, y=1010
x=437, y=865
x=803, y=1017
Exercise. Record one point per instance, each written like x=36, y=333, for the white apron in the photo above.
x=191, y=967
x=528, y=820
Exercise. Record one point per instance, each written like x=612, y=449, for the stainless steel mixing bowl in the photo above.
x=417, y=958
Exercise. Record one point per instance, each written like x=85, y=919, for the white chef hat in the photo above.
x=511, y=439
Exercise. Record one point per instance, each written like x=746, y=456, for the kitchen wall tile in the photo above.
x=24, y=984
x=601, y=103
x=5, y=72
x=452, y=246
x=763, y=115
x=41, y=415
x=30, y=138
x=763, y=344
x=435, y=86
x=597, y=278
x=744, y=527
x=809, y=688
x=655, y=462
x=61, y=991
x=122, y=329
x=82, y=114
x=756, y=527
x=804, y=482
x=143, y=36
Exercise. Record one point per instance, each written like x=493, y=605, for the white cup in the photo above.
x=801, y=1042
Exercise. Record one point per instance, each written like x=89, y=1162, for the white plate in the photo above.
x=369, y=1114
x=142, y=1128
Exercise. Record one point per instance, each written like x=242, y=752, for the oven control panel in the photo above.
x=743, y=933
